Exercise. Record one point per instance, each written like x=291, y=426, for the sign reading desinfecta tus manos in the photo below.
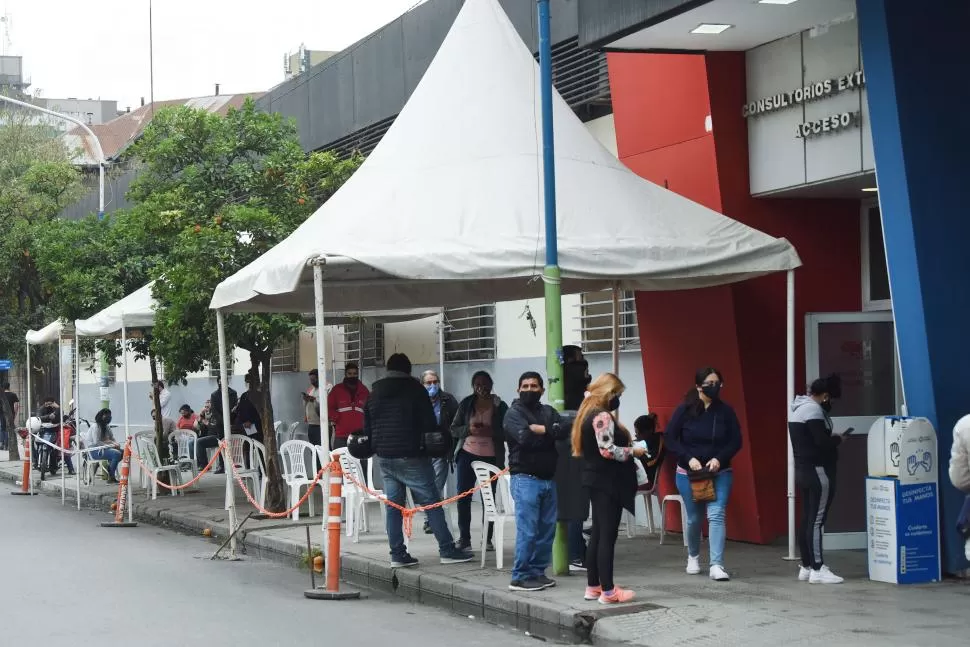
x=810, y=93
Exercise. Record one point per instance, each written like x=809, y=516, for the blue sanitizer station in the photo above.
x=902, y=502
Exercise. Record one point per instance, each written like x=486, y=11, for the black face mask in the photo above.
x=711, y=390
x=351, y=381
x=529, y=398
x=826, y=406
x=614, y=403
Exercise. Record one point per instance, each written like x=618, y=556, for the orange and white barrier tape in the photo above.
x=183, y=486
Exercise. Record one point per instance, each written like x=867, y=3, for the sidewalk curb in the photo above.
x=540, y=618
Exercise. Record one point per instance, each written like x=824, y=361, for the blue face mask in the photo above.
x=432, y=390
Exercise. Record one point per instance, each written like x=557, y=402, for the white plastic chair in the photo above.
x=185, y=441
x=282, y=433
x=298, y=432
x=241, y=448
x=149, y=456
x=136, y=440
x=663, y=515
x=631, y=520
x=258, y=460
x=356, y=497
x=498, y=507
x=295, y=474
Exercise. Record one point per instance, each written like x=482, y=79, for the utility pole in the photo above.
x=102, y=164
x=551, y=274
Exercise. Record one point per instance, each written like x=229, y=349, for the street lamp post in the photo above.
x=102, y=163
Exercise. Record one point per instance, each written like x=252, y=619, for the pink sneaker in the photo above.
x=617, y=596
x=593, y=593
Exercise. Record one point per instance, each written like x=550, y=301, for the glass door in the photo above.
x=861, y=348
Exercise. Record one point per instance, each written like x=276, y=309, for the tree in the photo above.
x=37, y=180
x=225, y=190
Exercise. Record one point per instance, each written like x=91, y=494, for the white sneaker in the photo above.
x=804, y=574
x=824, y=576
x=693, y=565
x=718, y=574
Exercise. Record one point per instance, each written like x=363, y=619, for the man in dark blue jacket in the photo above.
x=532, y=429
x=397, y=415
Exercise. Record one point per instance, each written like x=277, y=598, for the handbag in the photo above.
x=702, y=486
x=435, y=444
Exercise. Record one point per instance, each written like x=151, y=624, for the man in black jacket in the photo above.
x=532, y=429
x=396, y=417
x=816, y=454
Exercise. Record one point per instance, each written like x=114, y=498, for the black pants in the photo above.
x=465, y=476
x=607, y=511
x=205, y=443
x=816, y=485
x=313, y=433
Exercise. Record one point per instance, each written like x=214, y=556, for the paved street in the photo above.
x=63, y=577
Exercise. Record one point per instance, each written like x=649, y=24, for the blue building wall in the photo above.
x=916, y=66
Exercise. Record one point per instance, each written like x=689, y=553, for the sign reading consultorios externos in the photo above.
x=812, y=92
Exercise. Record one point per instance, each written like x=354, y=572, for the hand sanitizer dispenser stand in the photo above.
x=902, y=502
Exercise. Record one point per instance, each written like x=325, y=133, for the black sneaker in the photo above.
x=546, y=582
x=427, y=528
x=463, y=545
x=404, y=561
x=490, y=547
x=457, y=556
x=526, y=585
x=577, y=566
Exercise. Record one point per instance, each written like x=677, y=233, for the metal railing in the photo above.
x=469, y=333
x=596, y=322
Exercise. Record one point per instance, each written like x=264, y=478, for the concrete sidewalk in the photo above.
x=762, y=605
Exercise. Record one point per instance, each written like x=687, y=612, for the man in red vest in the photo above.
x=345, y=404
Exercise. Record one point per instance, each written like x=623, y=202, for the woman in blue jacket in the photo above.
x=704, y=435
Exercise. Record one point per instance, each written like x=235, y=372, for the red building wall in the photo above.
x=661, y=103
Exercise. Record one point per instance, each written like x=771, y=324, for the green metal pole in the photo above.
x=551, y=274
x=103, y=381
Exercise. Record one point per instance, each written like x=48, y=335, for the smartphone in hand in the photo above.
x=848, y=432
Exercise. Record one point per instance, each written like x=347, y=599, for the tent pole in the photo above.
x=441, y=350
x=29, y=441
x=551, y=275
x=60, y=415
x=226, y=432
x=322, y=355
x=790, y=392
x=77, y=410
x=616, y=330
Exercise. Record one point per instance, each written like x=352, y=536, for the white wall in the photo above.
x=604, y=129
x=778, y=158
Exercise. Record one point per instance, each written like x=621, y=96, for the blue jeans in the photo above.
x=716, y=512
x=441, y=467
x=535, y=525
x=113, y=456
x=417, y=475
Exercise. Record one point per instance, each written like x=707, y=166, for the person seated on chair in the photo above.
x=646, y=430
x=168, y=428
x=103, y=445
x=188, y=420
x=210, y=433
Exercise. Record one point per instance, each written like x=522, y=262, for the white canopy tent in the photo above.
x=453, y=205
x=53, y=333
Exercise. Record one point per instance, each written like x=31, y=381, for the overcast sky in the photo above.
x=100, y=49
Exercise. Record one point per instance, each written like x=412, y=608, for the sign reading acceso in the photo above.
x=812, y=92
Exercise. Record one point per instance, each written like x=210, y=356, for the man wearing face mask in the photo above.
x=345, y=404
x=572, y=497
x=445, y=406
x=816, y=455
x=532, y=429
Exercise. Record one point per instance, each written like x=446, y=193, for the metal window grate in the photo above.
x=470, y=333
x=286, y=357
x=363, y=342
x=214, y=366
x=596, y=322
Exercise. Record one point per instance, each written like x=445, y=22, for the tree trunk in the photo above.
x=160, y=445
x=275, y=492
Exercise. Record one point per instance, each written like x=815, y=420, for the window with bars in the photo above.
x=286, y=357
x=364, y=343
x=470, y=333
x=596, y=322
x=214, y=367
x=92, y=365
